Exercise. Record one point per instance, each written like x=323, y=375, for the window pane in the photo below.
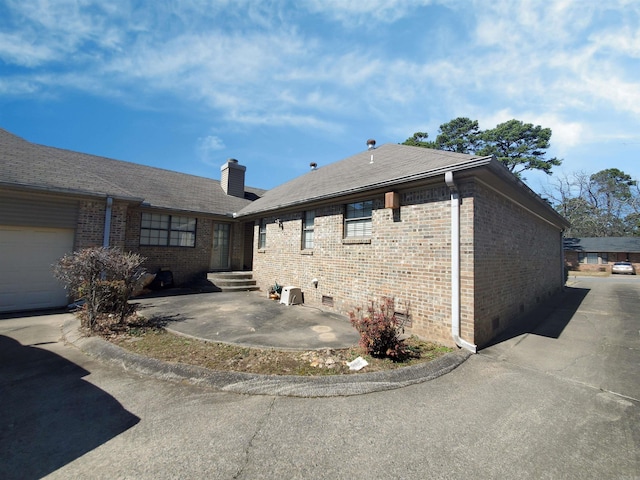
x=159, y=221
x=182, y=239
x=358, y=228
x=358, y=219
x=153, y=237
x=359, y=209
x=262, y=235
x=183, y=223
x=309, y=218
x=307, y=239
x=307, y=229
x=163, y=230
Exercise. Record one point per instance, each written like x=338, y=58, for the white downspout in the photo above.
x=455, y=265
x=563, y=278
x=107, y=223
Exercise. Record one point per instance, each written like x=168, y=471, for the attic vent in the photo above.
x=327, y=301
x=403, y=319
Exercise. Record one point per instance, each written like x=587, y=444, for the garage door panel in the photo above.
x=27, y=256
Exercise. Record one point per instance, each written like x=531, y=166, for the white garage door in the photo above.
x=26, y=258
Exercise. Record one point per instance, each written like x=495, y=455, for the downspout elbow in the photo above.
x=455, y=265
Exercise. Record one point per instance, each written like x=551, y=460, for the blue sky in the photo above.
x=186, y=84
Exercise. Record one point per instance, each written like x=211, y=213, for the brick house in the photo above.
x=598, y=254
x=55, y=201
x=461, y=244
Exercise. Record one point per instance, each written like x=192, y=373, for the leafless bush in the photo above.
x=104, y=278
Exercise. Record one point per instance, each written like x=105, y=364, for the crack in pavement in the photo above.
x=558, y=377
x=259, y=427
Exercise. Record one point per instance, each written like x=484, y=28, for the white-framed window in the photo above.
x=590, y=258
x=308, y=219
x=357, y=219
x=262, y=234
x=167, y=230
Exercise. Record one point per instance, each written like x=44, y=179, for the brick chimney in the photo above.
x=232, y=178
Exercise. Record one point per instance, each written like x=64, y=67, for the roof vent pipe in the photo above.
x=313, y=165
x=371, y=144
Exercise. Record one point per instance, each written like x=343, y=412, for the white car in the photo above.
x=623, y=267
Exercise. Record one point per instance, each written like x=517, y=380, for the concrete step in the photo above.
x=233, y=281
x=235, y=275
x=238, y=288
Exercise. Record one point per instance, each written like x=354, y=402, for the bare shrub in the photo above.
x=104, y=277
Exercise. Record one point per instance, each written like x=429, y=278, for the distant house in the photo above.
x=55, y=201
x=462, y=246
x=598, y=254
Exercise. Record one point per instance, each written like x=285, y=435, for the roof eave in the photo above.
x=69, y=191
x=475, y=163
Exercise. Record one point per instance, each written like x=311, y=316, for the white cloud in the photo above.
x=357, y=12
x=210, y=143
x=206, y=147
x=14, y=49
x=553, y=63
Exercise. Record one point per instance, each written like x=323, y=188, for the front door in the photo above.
x=220, y=249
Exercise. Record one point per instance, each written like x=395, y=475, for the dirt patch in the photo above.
x=155, y=342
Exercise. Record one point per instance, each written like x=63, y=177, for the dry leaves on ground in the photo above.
x=158, y=343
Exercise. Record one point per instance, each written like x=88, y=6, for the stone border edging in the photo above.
x=257, y=384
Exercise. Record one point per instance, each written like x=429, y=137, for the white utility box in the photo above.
x=291, y=296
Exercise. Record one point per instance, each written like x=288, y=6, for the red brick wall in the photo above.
x=407, y=258
x=90, y=227
x=518, y=262
x=184, y=262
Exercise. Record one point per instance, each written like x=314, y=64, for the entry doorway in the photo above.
x=220, y=252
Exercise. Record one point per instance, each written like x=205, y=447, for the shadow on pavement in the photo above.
x=33, y=313
x=49, y=415
x=548, y=320
x=195, y=287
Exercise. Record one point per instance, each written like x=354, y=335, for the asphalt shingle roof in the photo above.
x=392, y=165
x=603, y=244
x=30, y=165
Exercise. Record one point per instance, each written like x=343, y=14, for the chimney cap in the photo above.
x=232, y=160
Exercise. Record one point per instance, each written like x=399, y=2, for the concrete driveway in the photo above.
x=592, y=339
x=558, y=401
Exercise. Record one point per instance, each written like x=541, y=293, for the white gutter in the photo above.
x=107, y=222
x=455, y=265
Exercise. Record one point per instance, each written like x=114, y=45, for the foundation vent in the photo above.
x=327, y=301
